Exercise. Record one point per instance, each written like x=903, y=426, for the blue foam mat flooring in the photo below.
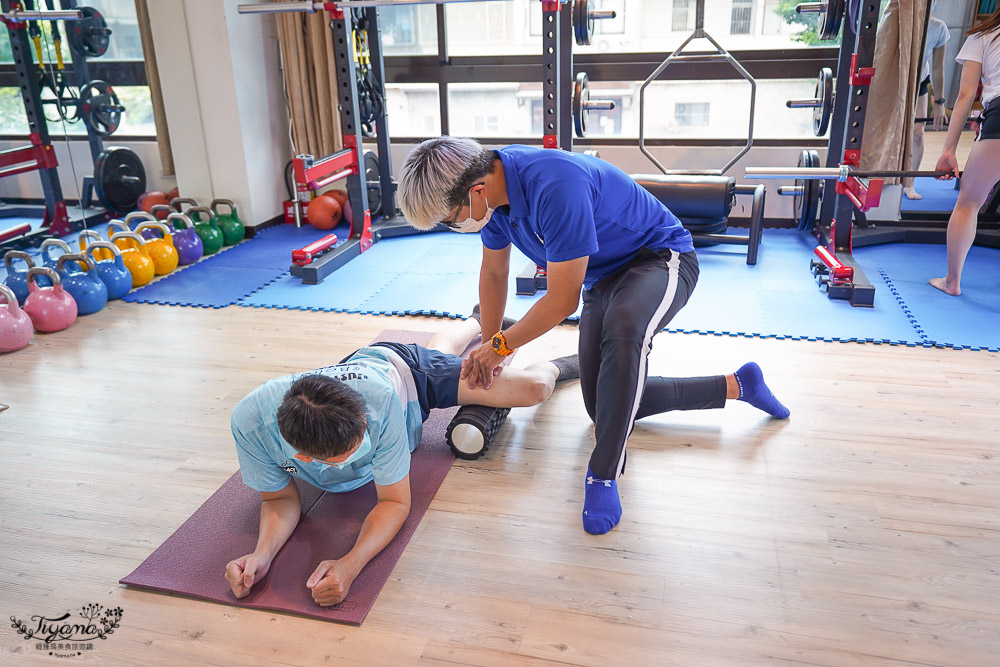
x=224, y=278
x=938, y=196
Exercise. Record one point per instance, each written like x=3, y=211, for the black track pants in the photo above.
x=621, y=314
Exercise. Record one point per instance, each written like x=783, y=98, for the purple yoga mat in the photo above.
x=193, y=560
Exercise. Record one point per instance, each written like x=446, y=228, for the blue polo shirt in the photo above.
x=569, y=205
x=395, y=423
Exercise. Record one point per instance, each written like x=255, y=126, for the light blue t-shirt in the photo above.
x=565, y=206
x=384, y=381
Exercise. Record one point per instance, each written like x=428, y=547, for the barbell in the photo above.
x=21, y=15
x=583, y=20
x=583, y=105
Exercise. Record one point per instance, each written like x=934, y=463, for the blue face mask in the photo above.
x=363, y=449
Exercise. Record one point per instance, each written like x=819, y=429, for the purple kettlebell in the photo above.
x=50, y=308
x=15, y=325
x=189, y=246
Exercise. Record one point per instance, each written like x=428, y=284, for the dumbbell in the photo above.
x=472, y=430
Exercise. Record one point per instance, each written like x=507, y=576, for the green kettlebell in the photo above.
x=208, y=231
x=232, y=228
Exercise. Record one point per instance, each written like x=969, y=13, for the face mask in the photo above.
x=470, y=224
x=359, y=453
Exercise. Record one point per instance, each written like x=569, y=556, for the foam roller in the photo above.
x=472, y=430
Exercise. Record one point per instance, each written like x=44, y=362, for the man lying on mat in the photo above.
x=341, y=426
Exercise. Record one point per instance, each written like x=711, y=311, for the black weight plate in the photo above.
x=89, y=36
x=100, y=107
x=119, y=178
x=581, y=95
x=799, y=200
x=583, y=24
x=824, y=93
x=830, y=20
x=372, y=176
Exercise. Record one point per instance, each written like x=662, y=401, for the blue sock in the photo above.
x=602, y=510
x=755, y=392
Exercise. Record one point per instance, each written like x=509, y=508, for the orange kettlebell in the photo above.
x=161, y=250
x=136, y=259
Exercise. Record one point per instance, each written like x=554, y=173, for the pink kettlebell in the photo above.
x=15, y=325
x=50, y=308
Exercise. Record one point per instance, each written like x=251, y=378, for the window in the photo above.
x=408, y=30
x=691, y=114
x=742, y=13
x=413, y=109
x=683, y=16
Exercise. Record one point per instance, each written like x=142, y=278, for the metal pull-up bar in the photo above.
x=312, y=7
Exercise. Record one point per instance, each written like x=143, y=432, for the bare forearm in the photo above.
x=278, y=518
x=492, y=302
x=547, y=313
x=963, y=107
x=380, y=526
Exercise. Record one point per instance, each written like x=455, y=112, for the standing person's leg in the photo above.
x=981, y=172
x=916, y=154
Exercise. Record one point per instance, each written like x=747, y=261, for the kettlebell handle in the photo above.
x=130, y=235
x=160, y=208
x=176, y=202
x=142, y=214
x=118, y=224
x=11, y=255
x=54, y=243
x=115, y=250
x=76, y=258
x=91, y=236
x=183, y=217
x=224, y=202
x=43, y=271
x=202, y=209
x=162, y=227
x=8, y=295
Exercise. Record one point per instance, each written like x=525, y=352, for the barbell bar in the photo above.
x=20, y=15
x=313, y=7
x=841, y=173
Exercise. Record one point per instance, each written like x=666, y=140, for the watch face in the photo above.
x=496, y=343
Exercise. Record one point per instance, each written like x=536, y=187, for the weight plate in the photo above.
x=800, y=198
x=830, y=20
x=824, y=93
x=89, y=36
x=100, y=107
x=372, y=176
x=583, y=24
x=854, y=13
x=119, y=178
x=581, y=95
x=806, y=204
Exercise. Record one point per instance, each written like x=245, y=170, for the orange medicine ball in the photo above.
x=324, y=212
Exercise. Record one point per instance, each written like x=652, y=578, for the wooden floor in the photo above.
x=863, y=531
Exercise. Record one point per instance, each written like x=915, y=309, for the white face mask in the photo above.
x=470, y=224
x=360, y=452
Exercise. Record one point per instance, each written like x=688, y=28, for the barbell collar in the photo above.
x=601, y=14
x=19, y=15
x=811, y=7
x=599, y=105
x=804, y=104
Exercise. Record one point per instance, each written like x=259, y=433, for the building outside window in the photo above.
x=742, y=15
x=691, y=114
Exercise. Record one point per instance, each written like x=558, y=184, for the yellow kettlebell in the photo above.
x=161, y=250
x=134, y=255
x=116, y=226
x=140, y=216
x=89, y=236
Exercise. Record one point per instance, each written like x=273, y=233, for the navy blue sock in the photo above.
x=753, y=391
x=602, y=510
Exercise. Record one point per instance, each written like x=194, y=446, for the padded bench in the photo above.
x=703, y=204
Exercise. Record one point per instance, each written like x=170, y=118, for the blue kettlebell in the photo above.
x=112, y=272
x=50, y=261
x=86, y=288
x=16, y=280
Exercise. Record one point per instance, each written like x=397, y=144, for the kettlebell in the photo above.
x=15, y=325
x=134, y=218
x=232, y=228
x=161, y=211
x=16, y=280
x=209, y=232
x=135, y=257
x=189, y=245
x=112, y=272
x=116, y=226
x=86, y=288
x=50, y=308
x=50, y=261
x=161, y=250
x=89, y=237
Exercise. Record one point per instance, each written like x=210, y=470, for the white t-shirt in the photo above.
x=985, y=49
x=937, y=36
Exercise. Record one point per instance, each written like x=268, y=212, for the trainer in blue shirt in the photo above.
x=592, y=227
x=342, y=426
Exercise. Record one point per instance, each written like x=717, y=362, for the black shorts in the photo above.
x=435, y=374
x=989, y=121
x=922, y=89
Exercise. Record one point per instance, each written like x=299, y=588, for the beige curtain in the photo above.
x=893, y=93
x=155, y=92
x=310, y=77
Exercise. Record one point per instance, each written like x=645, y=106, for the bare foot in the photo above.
x=911, y=193
x=942, y=284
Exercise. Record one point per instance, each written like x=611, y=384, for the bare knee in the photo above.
x=537, y=390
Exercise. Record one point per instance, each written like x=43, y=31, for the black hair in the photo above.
x=322, y=417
